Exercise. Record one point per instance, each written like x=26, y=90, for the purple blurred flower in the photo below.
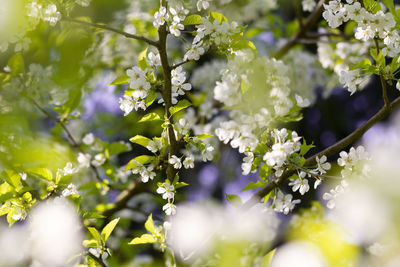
x=102, y=99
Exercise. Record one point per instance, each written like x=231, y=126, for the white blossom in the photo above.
x=98, y=160
x=322, y=165
x=51, y=14
x=308, y=5
x=169, y=209
x=88, y=139
x=175, y=161
x=70, y=190
x=166, y=190
x=188, y=163
x=300, y=184
x=154, y=145
x=160, y=17
x=285, y=203
x=84, y=159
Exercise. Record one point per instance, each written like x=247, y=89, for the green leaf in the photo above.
x=107, y=230
x=150, y=98
x=372, y=6
x=204, y=136
x=90, y=243
x=363, y=64
x=179, y=106
x=16, y=64
x=117, y=148
x=150, y=117
x=144, y=239
x=180, y=184
x=390, y=5
x=192, y=20
x=267, y=259
x=42, y=173
x=304, y=148
x=11, y=177
x=253, y=185
x=121, y=80
x=218, y=16
x=149, y=224
x=142, y=60
x=74, y=99
x=95, y=234
x=143, y=159
x=140, y=140
x=233, y=199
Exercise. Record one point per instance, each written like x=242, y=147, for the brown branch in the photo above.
x=67, y=132
x=332, y=150
x=309, y=23
x=180, y=63
x=167, y=94
x=104, y=27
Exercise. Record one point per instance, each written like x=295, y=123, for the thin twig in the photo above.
x=309, y=23
x=332, y=150
x=67, y=132
x=180, y=64
x=105, y=27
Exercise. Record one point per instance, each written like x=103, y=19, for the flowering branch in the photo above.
x=332, y=150
x=104, y=27
x=167, y=94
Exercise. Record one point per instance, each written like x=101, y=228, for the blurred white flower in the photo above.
x=55, y=233
x=298, y=254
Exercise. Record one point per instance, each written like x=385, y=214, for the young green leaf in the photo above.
x=149, y=224
x=192, y=20
x=140, y=140
x=150, y=117
x=41, y=172
x=204, y=136
x=107, y=230
x=142, y=61
x=253, y=185
x=95, y=234
x=144, y=239
x=180, y=106
x=121, y=80
x=218, y=16
x=233, y=199
x=143, y=159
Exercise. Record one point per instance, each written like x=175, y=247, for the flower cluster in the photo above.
x=285, y=203
x=352, y=162
x=284, y=145
x=168, y=192
x=369, y=26
x=172, y=16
